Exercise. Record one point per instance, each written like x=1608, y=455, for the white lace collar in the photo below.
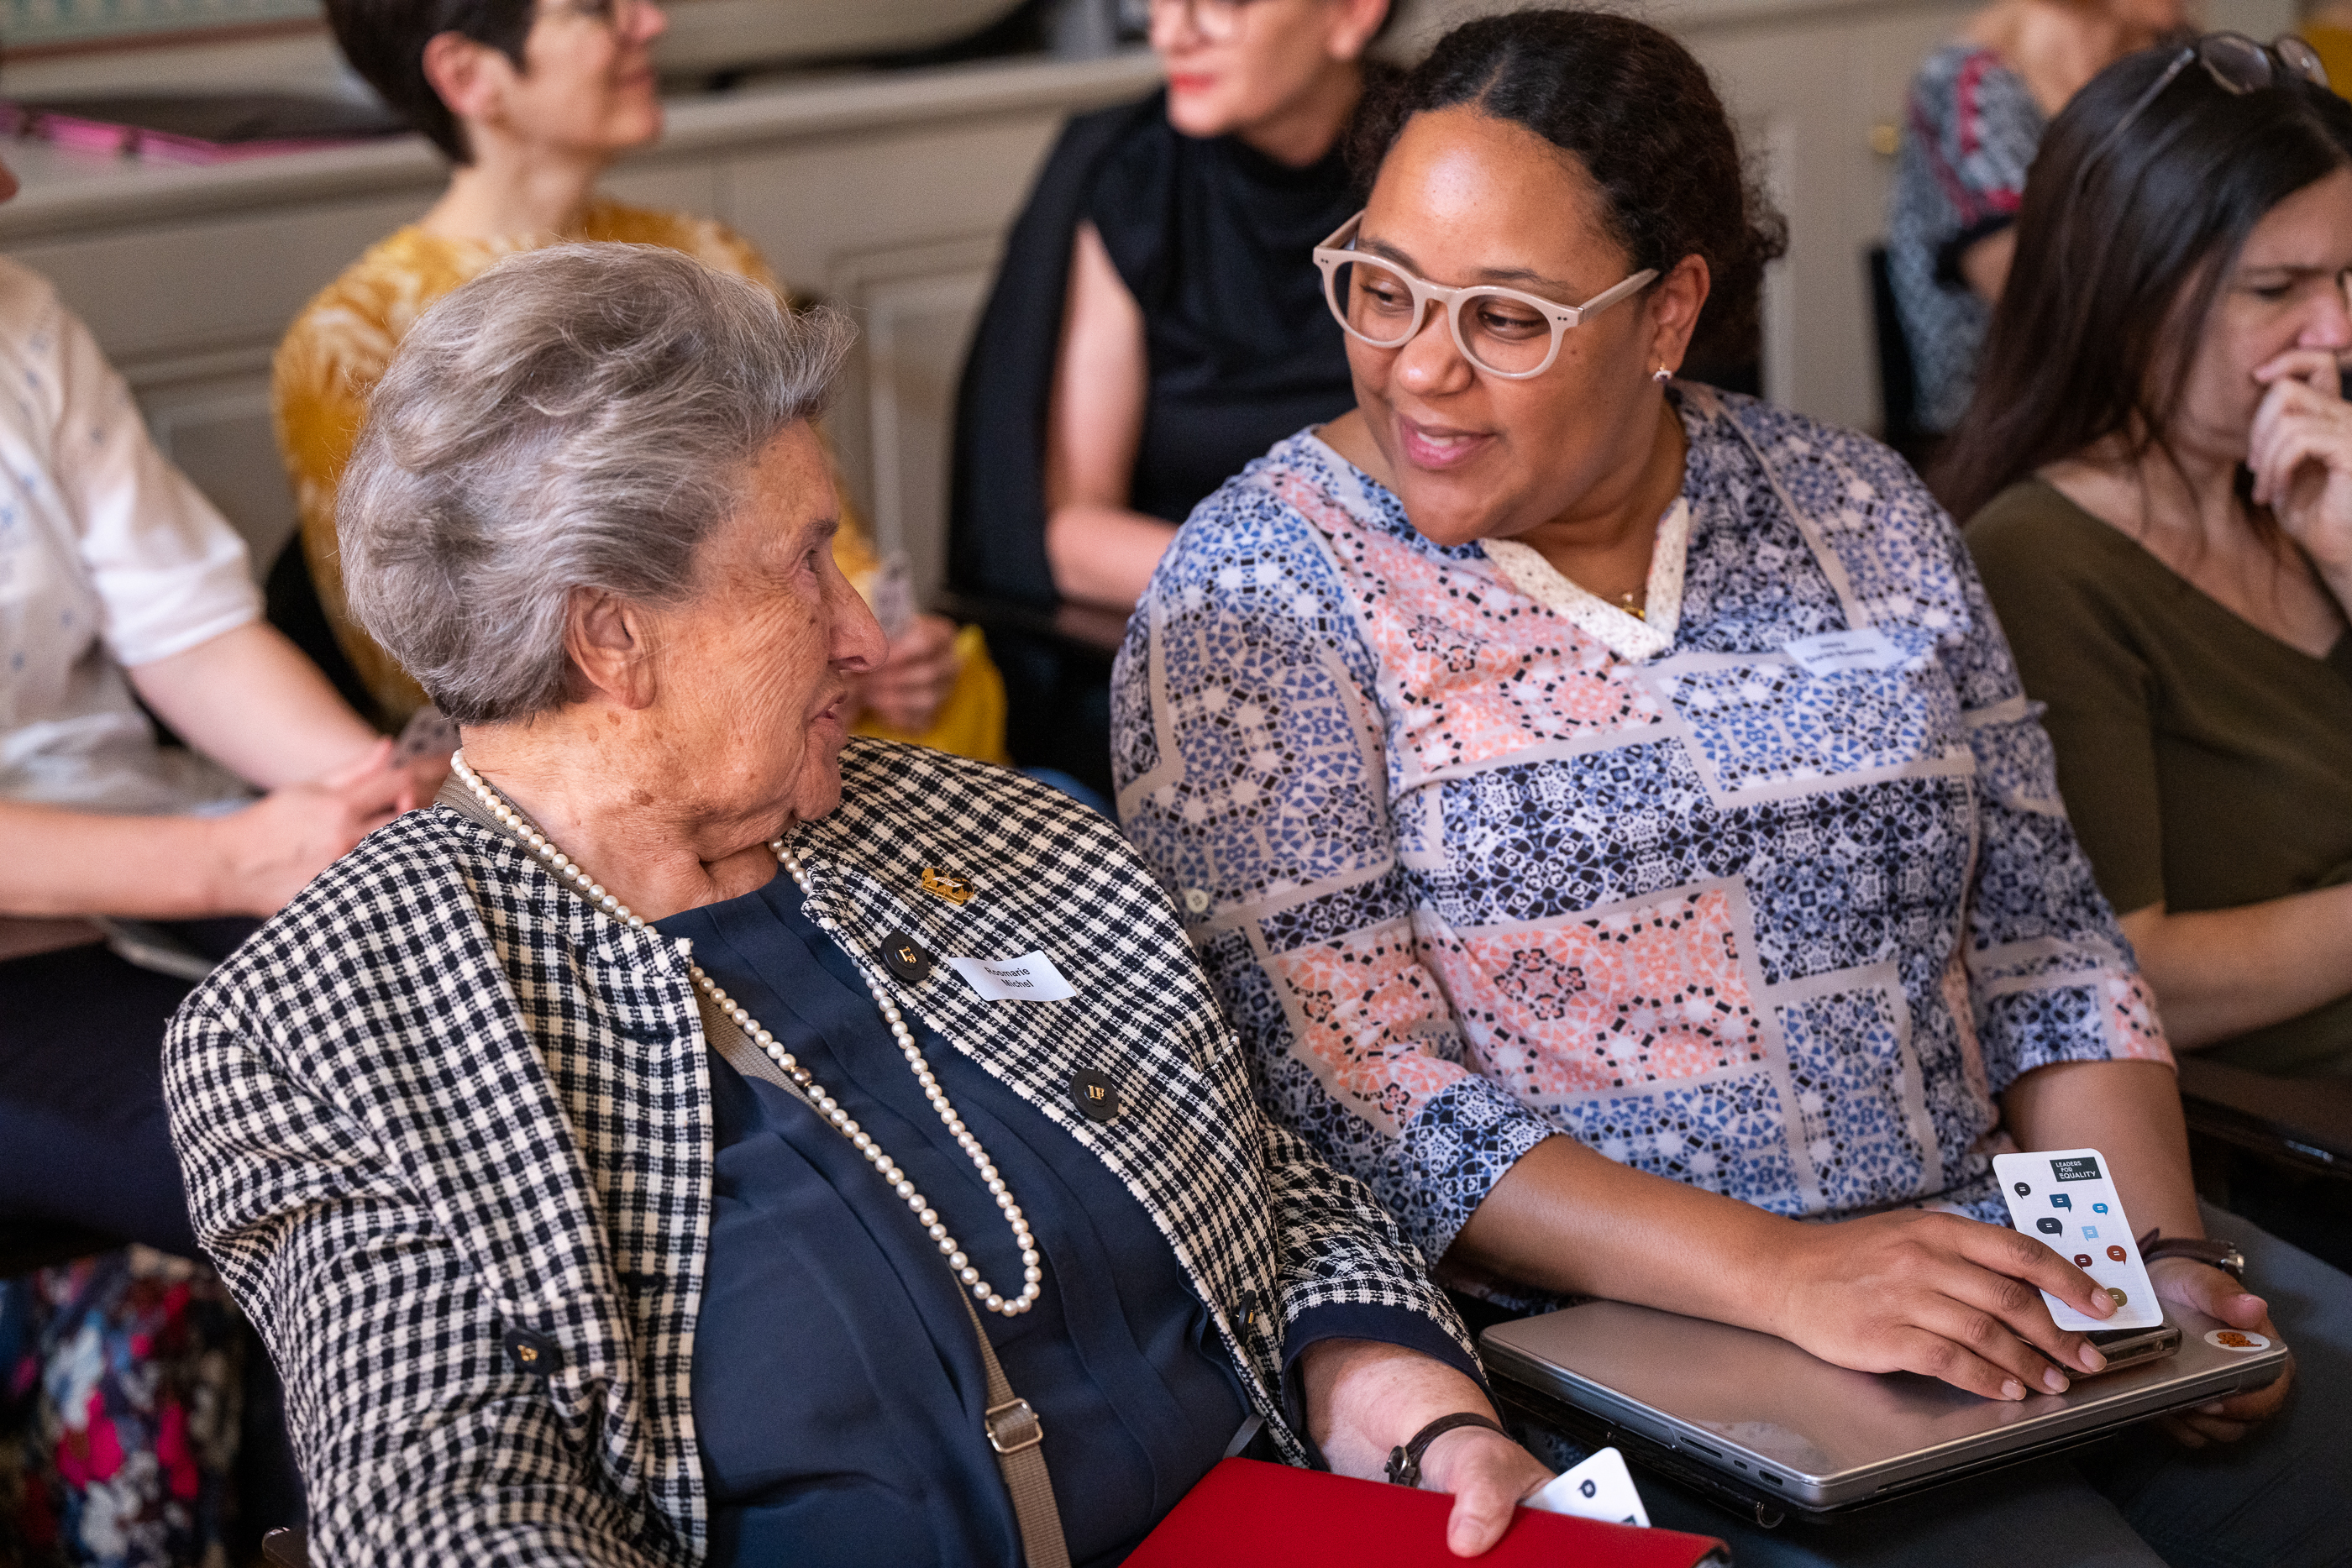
x=1626, y=635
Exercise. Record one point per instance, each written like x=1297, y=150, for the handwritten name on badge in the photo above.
x=1031, y=977
x=1834, y=653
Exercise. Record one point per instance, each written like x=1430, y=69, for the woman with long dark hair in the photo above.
x=2158, y=464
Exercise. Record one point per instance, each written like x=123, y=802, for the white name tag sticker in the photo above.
x=1834, y=653
x=1031, y=977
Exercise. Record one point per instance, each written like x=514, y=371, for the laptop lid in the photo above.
x=1793, y=1431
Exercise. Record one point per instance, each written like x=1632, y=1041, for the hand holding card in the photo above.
x=2064, y=1199
x=1599, y=1487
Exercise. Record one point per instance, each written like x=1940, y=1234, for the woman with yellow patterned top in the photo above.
x=532, y=100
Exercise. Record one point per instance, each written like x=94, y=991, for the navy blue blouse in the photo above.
x=837, y=1389
x=837, y=1393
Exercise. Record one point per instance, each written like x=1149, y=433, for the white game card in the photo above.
x=2063, y=1198
x=1599, y=1487
x=890, y=594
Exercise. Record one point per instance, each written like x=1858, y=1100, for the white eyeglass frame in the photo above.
x=1339, y=251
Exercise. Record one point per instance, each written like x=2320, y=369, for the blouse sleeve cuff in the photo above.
x=1462, y=1142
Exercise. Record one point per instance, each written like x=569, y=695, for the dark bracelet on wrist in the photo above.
x=1404, y=1463
x=2221, y=1255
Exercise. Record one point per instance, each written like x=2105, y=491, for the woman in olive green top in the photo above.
x=2159, y=465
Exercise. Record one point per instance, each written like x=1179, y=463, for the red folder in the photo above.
x=1246, y=1513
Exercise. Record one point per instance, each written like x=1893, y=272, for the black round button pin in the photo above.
x=904, y=958
x=1094, y=1096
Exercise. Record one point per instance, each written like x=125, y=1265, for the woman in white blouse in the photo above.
x=119, y=583
x=118, y=578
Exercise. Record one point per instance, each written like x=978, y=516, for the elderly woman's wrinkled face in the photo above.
x=1464, y=198
x=753, y=670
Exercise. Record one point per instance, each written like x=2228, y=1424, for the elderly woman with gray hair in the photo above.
x=703, y=1138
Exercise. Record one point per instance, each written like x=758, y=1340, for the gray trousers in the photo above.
x=2280, y=1499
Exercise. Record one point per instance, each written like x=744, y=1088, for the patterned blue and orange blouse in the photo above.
x=1770, y=893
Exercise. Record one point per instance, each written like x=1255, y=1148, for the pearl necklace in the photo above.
x=826, y=1105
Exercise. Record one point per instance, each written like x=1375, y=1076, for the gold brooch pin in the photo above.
x=954, y=889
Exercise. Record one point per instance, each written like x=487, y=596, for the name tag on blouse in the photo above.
x=1031, y=977
x=1835, y=652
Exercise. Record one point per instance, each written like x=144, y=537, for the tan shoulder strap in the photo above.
x=1014, y=1434
x=1019, y=1439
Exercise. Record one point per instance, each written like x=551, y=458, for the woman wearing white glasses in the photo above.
x=1610, y=816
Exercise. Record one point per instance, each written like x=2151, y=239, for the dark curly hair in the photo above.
x=385, y=41
x=1640, y=114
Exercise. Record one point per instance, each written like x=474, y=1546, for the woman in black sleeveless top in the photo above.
x=1158, y=322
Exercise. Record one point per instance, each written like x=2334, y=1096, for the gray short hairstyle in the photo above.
x=578, y=416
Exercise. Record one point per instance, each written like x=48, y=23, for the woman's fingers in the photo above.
x=2315, y=367
x=2023, y=1261
x=928, y=638
x=1943, y=1349
x=274, y=847
x=1364, y=1398
x=925, y=649
x=2026, y=1341
x=2305, y=474
x=2287, y=405
x=1945, y=1297
x=2197, y=1428
x=2278, y=460
x=2002, y=1341
x=2208, y=1290
x=375, y=790
x=917, y=676
x=2299, y=449
x=2178, y=1429
x=372, y=799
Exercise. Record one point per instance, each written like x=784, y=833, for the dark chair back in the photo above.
x=2303, y=1121
x=1056, y=663
x=2277, y=1151
x=1898, y=380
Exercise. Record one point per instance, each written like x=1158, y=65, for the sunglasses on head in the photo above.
x=2237, y=65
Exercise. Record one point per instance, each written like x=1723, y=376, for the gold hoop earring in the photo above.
x=1662, y=375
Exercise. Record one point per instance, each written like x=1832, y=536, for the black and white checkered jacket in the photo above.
x=441, y=1098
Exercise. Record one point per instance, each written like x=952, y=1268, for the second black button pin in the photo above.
x=1094, y=1093
x=904, y=958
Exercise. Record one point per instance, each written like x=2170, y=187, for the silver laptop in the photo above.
x=1766, y=1427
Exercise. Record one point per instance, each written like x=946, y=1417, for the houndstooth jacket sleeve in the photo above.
x=441, y=1100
